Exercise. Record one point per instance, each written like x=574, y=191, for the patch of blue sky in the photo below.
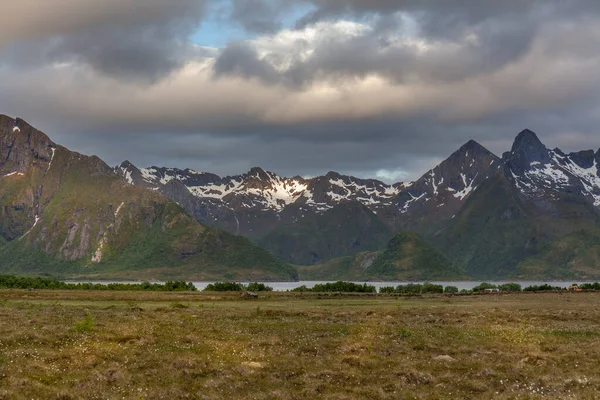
x=217, y=29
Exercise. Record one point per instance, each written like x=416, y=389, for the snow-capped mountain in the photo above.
x=65, y=213
x=266, y=191
x=538, y=216
x=542, y=173
x=259, y=201
x=284, y=213
x=441, y=192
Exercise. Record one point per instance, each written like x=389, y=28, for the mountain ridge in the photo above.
x=491, y=217
x=532, y=195
x=65, y=213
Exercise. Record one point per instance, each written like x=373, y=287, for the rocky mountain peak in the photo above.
x=22, y=146
x=258, y=173
x=584, y=159
x=126, y=165
x=527, y=148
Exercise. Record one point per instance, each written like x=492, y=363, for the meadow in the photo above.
x=169, y=345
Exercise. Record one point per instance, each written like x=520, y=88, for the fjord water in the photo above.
x=468, y=285
x=283, y=286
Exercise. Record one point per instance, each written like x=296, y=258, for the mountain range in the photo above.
x=495, y=217
x=532, y=213
x=66, y=214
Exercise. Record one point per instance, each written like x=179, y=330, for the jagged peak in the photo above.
x=472, y=145
x=527, y=138
x=584, y=158
x=333, y=175
x=527, y=148
x=470, y=151
x=126, y=165
x=259, y=173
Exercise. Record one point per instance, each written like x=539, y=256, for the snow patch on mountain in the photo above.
x=468, y=188
x=413, y=199
x=587, y=176
x=51, y=158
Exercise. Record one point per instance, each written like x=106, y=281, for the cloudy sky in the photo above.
x=374, y=88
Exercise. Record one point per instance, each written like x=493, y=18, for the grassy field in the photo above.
x=137, y=345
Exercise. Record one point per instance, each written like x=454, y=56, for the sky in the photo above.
x=373, y=88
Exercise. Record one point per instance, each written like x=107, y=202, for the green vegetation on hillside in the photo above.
x=346, y=229
x=574, y=256
x=93, y=224
x=498, y=234
x=407, y=257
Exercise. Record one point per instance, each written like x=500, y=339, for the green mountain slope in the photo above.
x=346, y=229
x=407, y=257
x=574, y=256
x=498, y=228
x=63, y=213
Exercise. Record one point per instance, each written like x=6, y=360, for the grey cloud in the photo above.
x=348, y=57
x=241, y=59
x=470, y=38
x=323, y=112
x=140, y=40
x=258, y=15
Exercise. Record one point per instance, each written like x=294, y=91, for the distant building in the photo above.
x=491, y=290
x=574, y=288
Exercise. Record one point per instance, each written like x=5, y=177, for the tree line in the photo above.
x=25, y=282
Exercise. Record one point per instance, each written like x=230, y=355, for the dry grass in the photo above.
x=283, y=346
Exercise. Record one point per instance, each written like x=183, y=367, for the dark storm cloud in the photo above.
x=140, y=40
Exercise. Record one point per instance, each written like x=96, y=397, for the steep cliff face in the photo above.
x=57, y=205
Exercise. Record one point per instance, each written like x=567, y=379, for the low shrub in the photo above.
x=85, y=325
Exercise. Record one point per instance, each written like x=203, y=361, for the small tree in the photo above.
x=258, y=287
x=450, y=289
x=484, y=285
x=510, y=287
x=224, y=287
x=431, y=288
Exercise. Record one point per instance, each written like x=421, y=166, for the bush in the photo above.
x=403, y=333
x=590, y=286
x=541, y=288
x=431, y=288
x=484, y=285
x=344, y=287
x=224, y=287
x=450, y=289
x=339, y=286
x=510, y=287
x=258, y=287
x=387, y=289
x=411, y=288
x=87, y=324
x=16, y=282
